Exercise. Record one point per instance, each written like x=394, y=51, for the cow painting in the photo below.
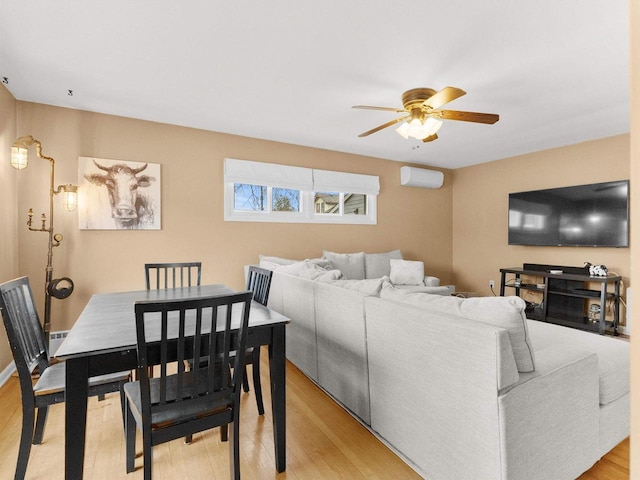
x=123, y=195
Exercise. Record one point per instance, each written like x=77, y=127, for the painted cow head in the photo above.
x=122, y=184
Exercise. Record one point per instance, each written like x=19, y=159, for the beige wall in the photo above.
x=480, y=209
x=418, y=221
x=8, y=206
x=635, y=235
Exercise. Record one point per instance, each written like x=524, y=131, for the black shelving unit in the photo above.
x=564, y=296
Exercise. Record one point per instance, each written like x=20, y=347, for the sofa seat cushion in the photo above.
x=503, y=312
x=613, y=354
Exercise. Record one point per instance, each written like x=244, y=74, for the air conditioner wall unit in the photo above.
x=420, y=177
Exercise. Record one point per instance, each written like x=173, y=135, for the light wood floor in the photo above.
x=323, y=442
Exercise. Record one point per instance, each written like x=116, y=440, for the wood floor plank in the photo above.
x=323, y=442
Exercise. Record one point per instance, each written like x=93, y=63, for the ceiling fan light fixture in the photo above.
x=416, y=128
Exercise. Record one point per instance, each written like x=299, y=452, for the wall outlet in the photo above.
x=491, y=284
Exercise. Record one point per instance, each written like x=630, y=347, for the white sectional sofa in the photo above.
x=460, y=388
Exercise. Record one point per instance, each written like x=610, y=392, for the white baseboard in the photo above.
x=5, y=375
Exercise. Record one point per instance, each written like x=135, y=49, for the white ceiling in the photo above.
x=557, y=72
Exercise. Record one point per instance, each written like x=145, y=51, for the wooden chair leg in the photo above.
x=41, y=421
x=26, y=437
x=245, y=380
x=147, y=454
x=130, y=440
x=234, y=450
x=257, y=387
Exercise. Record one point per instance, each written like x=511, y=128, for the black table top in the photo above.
x=107, y=323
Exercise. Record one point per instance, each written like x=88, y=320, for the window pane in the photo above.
x=249, y=197
x=355, y=204
x=285, y=200
x=327, y=203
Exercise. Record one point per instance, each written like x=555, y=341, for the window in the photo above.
x=264, y=192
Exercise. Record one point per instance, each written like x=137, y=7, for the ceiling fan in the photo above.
x=423, y=117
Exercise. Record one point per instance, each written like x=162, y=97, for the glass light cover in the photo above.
x=19, y=157
x=70, y=197
x=416, y=129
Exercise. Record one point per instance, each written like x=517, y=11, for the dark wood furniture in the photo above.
x=29, y=349
x=188, y=401
x=103, y=340
x=172, y=275
x=565, y=296
x=259, y=283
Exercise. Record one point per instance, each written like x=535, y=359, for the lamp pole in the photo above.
x=19, y=154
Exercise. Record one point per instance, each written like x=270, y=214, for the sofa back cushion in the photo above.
x=350, y=264
x=503, y=312
x=378, y=265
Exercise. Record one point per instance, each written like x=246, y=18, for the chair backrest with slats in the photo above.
x=24, y=330
x=259, y=282
x=172, y=275
x=179, y=331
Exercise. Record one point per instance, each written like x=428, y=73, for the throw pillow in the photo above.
x=407, y=272
x=350, y=264
x=377, y=265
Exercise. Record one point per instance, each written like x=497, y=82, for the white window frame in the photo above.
x=302, y=179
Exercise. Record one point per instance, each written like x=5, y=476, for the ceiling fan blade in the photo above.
x=386, y=109
x=489, y=118
x=430, y=138
x=446, y=95
x=388, y=124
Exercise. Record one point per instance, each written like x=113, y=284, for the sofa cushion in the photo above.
x=503, y=312
x=368, y=286
x=613, y=354
x=407, y=272
x=350, y=264
x=313, y=269
x=377, y=265
x=271, y=263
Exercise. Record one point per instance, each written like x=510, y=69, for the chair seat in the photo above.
x=182, y=411
x=52, y=380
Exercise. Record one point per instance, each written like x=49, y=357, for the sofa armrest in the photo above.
x=549, y=418
x=431, y=281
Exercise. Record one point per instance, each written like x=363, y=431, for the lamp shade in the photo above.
x=70, y=197
x=19, y=157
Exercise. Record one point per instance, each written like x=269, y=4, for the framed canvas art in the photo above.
x=118, y=194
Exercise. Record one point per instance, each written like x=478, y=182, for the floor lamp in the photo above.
x=61, y=287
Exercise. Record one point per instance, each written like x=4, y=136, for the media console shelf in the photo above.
x=566, y=296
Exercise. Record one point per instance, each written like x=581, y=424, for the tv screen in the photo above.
x=595, y=215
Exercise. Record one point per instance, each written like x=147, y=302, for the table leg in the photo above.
x=277, y=365
x=77, y=378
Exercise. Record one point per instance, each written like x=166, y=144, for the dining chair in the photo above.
x=27, y=342
x=259, y=283
x=159, y=276
x=187, y=401
x=172, y=275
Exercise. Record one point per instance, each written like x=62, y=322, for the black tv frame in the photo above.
x=564, y=191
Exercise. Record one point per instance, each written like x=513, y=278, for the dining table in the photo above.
x=103, y=340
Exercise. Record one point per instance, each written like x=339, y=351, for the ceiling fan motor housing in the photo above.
x=415, y=97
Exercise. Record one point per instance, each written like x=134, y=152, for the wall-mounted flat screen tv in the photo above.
x=595, y=215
